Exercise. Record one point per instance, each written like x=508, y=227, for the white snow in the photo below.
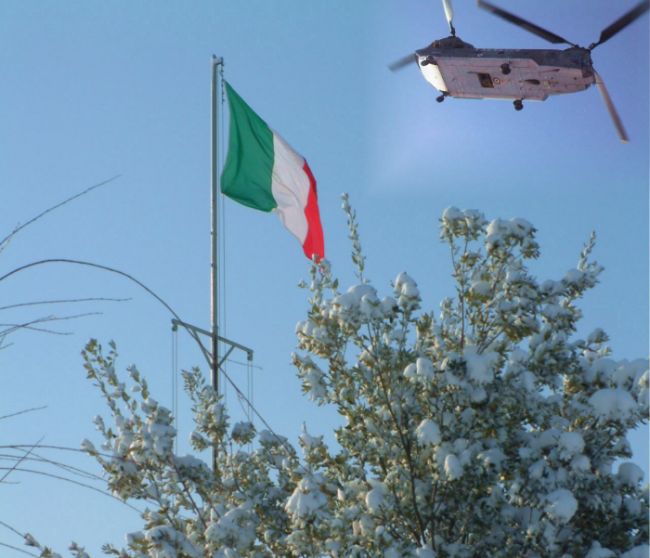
x=547, y=438
x=480, y=288
x=307, y=499
x=633, y=506
x=641, y=386
x=233, y=528
x=452, y=214
x=453, y=468
x=428, y=432
x=189, y=462
x=410, y=371
x=499, y=228
x=581, y=463
x=243, y=432
x=307, y=440
x=492, y=457
x=407, y=292
x=536, y=470
x=573, y=276
x=480, y=366
x=375, y=496
x=478, y=395
x=388, y=305
x=314, y=383
x=597, y=551
x=629, y=473
x=570, y=444
x=641, y=551
x=612, y=403
x=561, y=505
x=527, y=381
x=424, y=368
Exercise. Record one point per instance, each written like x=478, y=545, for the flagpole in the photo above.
x=217, y=63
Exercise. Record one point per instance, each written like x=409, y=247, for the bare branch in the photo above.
x=18, y=549
x=6, y=239
x=64, y=301
x=21, y=535
x=44, y=460
x=30, y=325
x=72, y=481
x=192, y=333
x=15, y=327
x=23, y=412
x=6, y=525
x=15, y=466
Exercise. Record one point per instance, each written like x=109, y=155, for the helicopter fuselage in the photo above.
x=458, y=69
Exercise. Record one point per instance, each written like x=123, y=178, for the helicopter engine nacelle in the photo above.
x=431, y=72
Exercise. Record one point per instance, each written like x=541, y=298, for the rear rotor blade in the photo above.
x=616, y=119
x=622, y=22
x=527, y=25
x=403, y=62
x=449, y=14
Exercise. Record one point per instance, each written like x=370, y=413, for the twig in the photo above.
x=64, y=301
x=23, y=412
x=192, y=333
x=16, y=230
x=18, y=549
x=30, y=325
x=15, y=466
x=44, y=460
x=72, y=481
x=21, y=535
x=16, y=327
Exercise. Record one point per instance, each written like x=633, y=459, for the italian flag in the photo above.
x=263, y=171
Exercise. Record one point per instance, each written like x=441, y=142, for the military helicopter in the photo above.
x=458, y=69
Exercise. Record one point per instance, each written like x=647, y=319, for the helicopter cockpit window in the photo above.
x=485, y=80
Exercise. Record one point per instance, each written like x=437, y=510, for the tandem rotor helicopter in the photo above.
x=458, y=69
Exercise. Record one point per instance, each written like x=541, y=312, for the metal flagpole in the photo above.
x=216, y=361
x=217, y=64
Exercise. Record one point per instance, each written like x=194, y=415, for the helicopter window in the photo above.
x=533, y=81
x=485, y=80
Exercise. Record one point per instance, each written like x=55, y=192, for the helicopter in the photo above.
x=458, y=69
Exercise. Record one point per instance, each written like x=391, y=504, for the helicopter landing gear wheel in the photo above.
x=440, y=98
x=519, y=104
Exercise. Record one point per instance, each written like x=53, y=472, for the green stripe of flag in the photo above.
x=246, y=176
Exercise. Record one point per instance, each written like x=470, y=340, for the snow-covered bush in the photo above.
x=486, y=430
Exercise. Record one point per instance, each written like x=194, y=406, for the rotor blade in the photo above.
x=403, y=62
x=449, y=14
x=610, y=107
x=527, y=25
x=622, y=22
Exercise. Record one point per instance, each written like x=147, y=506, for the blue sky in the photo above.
x=91, y=90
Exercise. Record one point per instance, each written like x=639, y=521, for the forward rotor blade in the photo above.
x=403, y=62
x=527, y=25
x=610, y=107
x=622, y=22
x=449, y=14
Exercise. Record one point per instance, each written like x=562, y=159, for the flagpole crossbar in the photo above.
x=232, y=344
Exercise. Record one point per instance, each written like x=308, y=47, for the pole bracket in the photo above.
x=232, y=344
